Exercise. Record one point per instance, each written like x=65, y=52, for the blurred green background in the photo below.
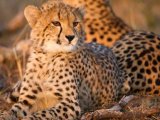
x=139, y=14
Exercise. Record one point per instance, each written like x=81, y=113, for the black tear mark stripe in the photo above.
x=60, y=32
x=58, y=40
x=59, y=16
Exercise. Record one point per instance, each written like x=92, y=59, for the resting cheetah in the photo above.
x=101, y=23
x=138, y=53
x=64, y=77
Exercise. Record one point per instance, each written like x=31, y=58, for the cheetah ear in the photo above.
x=32, y=13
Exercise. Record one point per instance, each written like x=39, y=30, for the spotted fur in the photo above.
x=138, y=53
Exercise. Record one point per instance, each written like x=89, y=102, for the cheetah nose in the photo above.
x=70, y=37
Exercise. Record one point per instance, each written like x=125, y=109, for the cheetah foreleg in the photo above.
x=65, y=110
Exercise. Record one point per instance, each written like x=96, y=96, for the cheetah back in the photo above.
x=138, y=54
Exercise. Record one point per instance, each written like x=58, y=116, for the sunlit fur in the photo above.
x=54, y=37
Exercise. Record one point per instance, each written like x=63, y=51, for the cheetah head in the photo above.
x=56, y=27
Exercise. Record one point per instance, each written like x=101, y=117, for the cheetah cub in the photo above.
x=64, y=77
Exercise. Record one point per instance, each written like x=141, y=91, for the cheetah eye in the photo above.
x=75, y=24
x=56, y=23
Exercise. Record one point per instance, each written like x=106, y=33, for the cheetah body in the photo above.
x=138, y=53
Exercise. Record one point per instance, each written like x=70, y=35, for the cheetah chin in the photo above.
x=53, y=47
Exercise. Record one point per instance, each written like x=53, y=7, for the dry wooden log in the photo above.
x=101, y=114
x=115, y=112
x=122, y=103
x=104, y=114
